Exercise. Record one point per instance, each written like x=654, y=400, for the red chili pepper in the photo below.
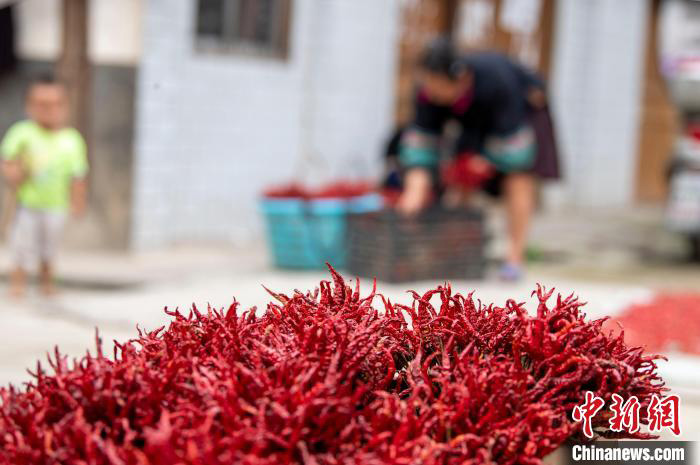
x=336, y=190
x=667, y=322
x=326, y=377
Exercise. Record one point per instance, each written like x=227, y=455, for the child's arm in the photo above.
x=11, y=149
x=79, y=172
x=13, y=172
x=78, y=197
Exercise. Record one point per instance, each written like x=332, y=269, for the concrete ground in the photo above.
x=607, y=261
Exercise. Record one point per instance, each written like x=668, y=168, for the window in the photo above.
x=258, y=27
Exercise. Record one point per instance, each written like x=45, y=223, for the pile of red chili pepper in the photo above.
x=666, y=322
x=335, y=190
x=330, y=377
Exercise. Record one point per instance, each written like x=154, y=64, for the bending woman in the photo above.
x=500, y=108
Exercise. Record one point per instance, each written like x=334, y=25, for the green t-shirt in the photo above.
x=51, y=159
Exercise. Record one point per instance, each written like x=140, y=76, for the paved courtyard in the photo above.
x=115, y=293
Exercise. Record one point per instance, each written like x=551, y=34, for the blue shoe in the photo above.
x=511, y=272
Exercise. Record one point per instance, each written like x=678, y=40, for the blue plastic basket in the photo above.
x=306, y=235
x=327, y=223
x=365, y=203
x=288, y=233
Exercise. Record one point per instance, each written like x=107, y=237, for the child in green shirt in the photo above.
x=46, y=163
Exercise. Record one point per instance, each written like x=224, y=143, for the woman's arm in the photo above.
x=419, y=155
x=528, y=77
x=532, y=83
x=418, y=185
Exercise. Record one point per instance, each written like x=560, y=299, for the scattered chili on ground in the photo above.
x=667, y=322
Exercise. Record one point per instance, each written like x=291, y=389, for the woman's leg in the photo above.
x=520, y=193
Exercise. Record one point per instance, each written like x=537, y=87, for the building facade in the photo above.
x=195, y=112
x=216, y=126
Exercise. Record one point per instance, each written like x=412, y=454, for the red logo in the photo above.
x=587, y=411
x=625, y=414
x=662, y=413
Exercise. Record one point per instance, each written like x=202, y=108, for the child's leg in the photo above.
x=18, y=282
x=23, y=240
x=46, y=278
x=50, y=237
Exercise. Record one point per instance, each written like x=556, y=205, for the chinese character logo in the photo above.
x=585, y=412
x=624, y=414
x=662, y=413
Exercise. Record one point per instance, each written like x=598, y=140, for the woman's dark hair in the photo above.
x=440, y=57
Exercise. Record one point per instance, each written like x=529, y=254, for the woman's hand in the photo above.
x=480, y=166
x=537, y=98
x=417, y=192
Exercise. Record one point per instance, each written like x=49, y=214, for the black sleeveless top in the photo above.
x=496, y=104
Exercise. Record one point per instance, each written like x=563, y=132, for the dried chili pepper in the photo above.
x=325, y=377
x=666, y=322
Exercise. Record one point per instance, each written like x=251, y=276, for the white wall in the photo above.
x=597, y=82
x=679, y=29
x=354, y=56
x=38, y=25
x=214, y=129
x=114, y=30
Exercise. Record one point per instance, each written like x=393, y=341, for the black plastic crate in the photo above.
x=438, y=244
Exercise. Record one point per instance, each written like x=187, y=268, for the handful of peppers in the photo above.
x=330, y=377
